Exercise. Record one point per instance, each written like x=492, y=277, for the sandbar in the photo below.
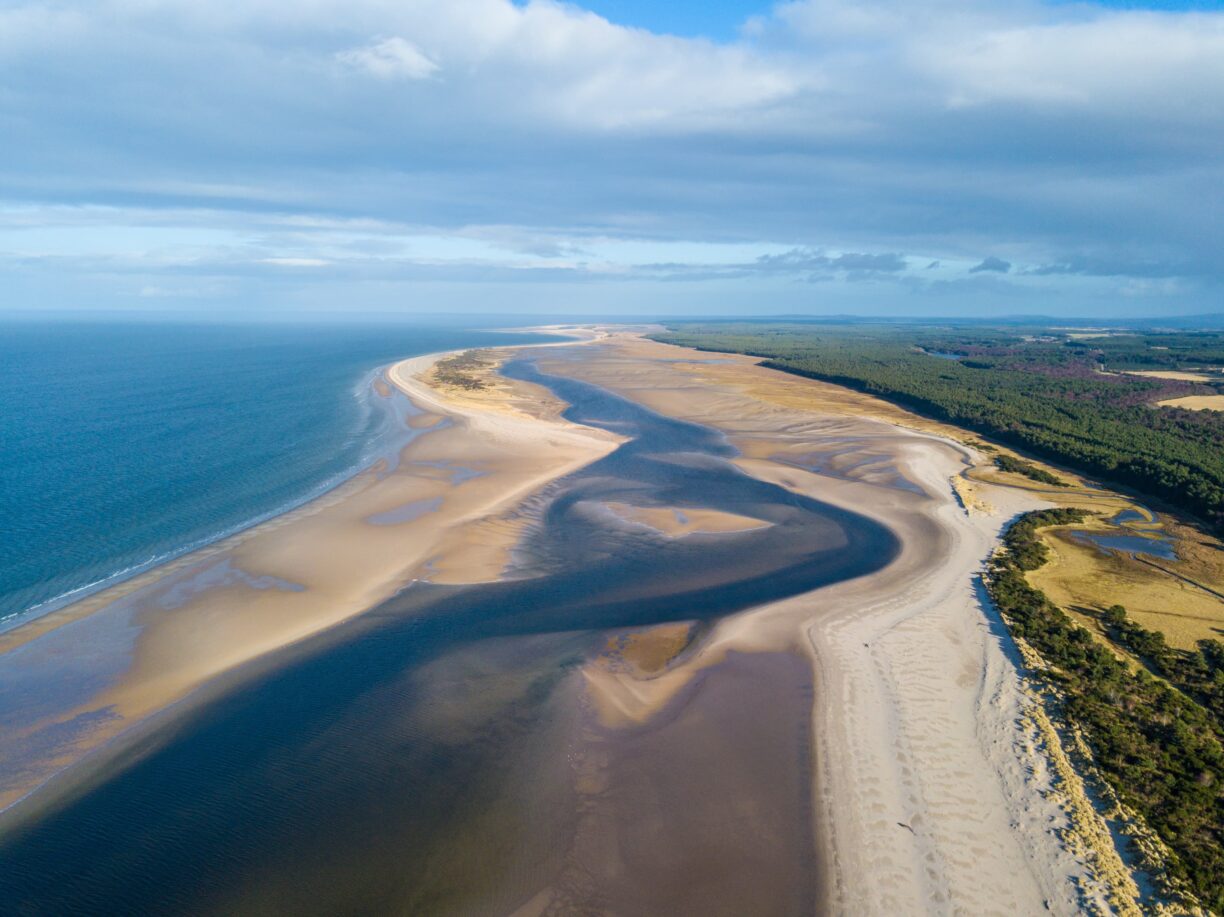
x=102, y=666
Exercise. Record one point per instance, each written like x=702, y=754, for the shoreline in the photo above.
x=194, y=621
x=934, y=784
x=319, y=491
x=373, y=383
x=934, y=781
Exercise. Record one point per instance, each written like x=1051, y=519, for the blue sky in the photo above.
x=720, y=20
x=715, y=20
x=953, y=157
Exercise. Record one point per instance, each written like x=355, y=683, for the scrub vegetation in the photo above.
x=1154, y=730
x=463, y=370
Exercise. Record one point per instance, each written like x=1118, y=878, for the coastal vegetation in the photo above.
x=1058, y=396
x=1028, y=469
x=463, y=370
x=1154, y=730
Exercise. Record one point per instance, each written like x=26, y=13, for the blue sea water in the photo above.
x=124, y=444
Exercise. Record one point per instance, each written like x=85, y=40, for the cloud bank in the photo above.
x=957, y=156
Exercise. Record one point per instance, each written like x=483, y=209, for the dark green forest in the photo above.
x=1157, y=740
x=1058, y=397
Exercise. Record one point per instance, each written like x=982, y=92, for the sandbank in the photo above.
x=100, y=668
x=677, y=522
x=939, y=786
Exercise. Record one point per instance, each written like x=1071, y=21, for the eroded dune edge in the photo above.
x=932, y=778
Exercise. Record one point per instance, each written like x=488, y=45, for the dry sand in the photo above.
x=940, y=786
x=676, y=523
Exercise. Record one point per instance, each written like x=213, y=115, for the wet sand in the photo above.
x=938, y=787
x=832, y=738
x=74, y=681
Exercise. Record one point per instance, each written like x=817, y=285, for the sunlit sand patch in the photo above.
x=480, y=552
x=970, y=496
x=677, y=522
x=629, y=681
x=646, y=652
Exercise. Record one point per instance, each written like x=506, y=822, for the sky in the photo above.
x=886, y=157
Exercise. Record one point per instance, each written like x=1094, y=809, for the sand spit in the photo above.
x=937, y=790
x=445, y=511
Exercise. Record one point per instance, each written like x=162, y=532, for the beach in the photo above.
x=444, y=511
x=852, y=734
x=938, y=784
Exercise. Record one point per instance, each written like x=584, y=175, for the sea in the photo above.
x=124, y=444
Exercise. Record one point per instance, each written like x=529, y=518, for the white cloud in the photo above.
x=389, y=59
x=295, y=262
x=346, y=132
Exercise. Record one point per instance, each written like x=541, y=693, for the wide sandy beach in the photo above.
x=82, y=676
x=932, y=778
x=940, y=785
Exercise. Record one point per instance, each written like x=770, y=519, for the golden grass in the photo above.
x=1195, y=403
x=1174, y=375
x=1085, y=581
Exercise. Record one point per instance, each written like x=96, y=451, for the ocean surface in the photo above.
x=125, y=444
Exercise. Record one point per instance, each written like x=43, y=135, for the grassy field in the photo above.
x=1195, y=403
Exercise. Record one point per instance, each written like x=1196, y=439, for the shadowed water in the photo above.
x=413, y=760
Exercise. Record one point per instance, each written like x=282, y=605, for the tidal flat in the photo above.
x=647, y=633
x=438, y=753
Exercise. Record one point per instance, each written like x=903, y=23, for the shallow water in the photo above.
x=415, y=760
x=125, y=444
x=1131, y=515
x=1131, y=544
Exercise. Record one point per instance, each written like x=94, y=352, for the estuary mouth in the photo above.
x=414, y=756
